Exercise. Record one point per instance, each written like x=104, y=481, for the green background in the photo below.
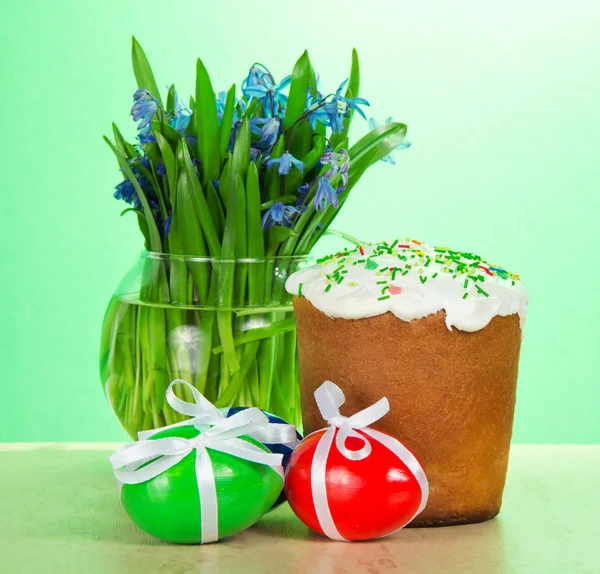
x=502, y=103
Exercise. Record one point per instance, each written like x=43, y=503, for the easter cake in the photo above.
x=436, y=331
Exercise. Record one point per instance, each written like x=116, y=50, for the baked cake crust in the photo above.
x=451, y=394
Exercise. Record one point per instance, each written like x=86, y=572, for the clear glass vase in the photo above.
x=225, y=326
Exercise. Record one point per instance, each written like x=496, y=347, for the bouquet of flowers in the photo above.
x=231, y=193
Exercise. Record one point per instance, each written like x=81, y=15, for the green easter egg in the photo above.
x=168, y=505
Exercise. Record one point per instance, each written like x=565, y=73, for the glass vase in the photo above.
x=224, y=325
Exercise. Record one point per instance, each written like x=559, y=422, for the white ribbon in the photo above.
x=161, y=454
x=273, y=433
x=203, y=412
x=329, y=399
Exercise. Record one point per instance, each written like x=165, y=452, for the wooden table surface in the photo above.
x=59, y=512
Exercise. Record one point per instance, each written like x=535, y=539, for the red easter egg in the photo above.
x=368, y=498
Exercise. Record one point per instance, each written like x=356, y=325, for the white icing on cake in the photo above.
x=411, y=280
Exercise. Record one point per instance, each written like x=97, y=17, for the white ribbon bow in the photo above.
x=161, y=454
x=203, y=412
x=330, y=398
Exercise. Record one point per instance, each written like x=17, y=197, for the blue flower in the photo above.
x=318, y=87
x=221, y=100
x=161, y=169
x=167, y=225
x=339, y=164
x=146, y=138
x=278, y=214
x=325, y=195
x=257, y=77
x=302, y=192
x=269, y=131
x=304, y=189
x=335, y=120
x=240, y=109
x=143, y=109
x=257, y=124
x=285, y=163
x=340, y=108
x=125, y=191
x=389, y=158
x=345, y=104
x=182, y=117
x=315, y=109
x=259, y=84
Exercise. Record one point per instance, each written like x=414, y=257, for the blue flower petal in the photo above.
x=284, y=83
x=255, y=91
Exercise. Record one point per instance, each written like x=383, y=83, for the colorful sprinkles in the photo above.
x=425, y=261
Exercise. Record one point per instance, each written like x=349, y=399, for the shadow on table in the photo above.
x=473, y=548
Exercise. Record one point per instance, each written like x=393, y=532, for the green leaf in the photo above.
x=168, y=158
x=224, y=182
x=382, y=139
x=187, y=220
x=138, y=211
x=143, y=72
x=154, y=238
x=193, y=196
x=207, y=125
x=229, y=393
x=190, y=233
x=119, y=140
x=276, y=328
x=150, y=175
x=143, y=225
x=227, y=272
x=170, y=134
x=299, y=225
x=275, y=236
x=342, y=144
x=241, y=153
x=227, y=122
x=273, y=179
x=237, y=167
x=124, y=147
x=171, y=99
x=349, y=238
x=303, y=78
x=158, y=352
x=352, y=91
x=250, y=108
x=240, y=243
x=267, y=309
x=178, y=275
x=240, y=219
x=131, y=151
x=216, y=209
x=298, y=138
x=294, y=179
x=256, y=244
